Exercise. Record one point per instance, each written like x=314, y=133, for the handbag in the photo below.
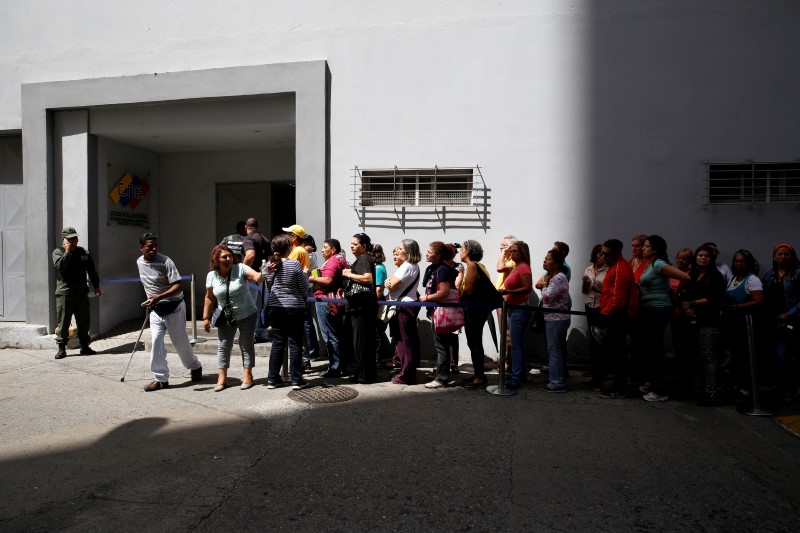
x=537, y=323
x=334, y=308
x=449, y=319
x=388, y=312
x=225, y=317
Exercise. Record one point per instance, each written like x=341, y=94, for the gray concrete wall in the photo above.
x=188, y=200
x=118, y=246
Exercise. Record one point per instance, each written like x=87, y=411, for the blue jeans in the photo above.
x=518, y=320
x=255, y=292
x=556, y=334
x=329, y=329
x=310, y=341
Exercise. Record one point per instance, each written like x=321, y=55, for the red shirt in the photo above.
x=514, y=281
x=619, y=293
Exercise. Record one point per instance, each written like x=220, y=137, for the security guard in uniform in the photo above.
x=72, y=264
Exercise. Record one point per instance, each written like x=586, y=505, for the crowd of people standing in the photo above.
x=255, y=285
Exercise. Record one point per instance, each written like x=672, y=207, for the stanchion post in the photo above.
x=194, y=340
x=756, y=409
x=500, y=389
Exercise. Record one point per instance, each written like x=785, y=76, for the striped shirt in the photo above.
x=288, y=286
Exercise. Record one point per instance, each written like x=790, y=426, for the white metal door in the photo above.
x=12, y=253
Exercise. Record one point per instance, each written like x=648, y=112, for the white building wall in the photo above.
x=590, y=119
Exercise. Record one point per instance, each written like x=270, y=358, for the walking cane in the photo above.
x=135, y=344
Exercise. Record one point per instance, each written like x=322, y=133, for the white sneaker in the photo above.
x=535, y=371
x=434, y=385
x=653, y=397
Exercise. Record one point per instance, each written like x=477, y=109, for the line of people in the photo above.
x=629, y=306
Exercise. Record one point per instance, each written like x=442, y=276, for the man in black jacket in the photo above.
x=73, y=263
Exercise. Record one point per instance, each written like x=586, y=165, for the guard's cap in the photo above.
x=69, y=232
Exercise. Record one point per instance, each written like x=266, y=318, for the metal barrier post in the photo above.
x=194, y=340
x=500, y=389
x=756, y=409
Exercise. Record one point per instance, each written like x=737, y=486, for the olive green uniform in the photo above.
x=72, y=292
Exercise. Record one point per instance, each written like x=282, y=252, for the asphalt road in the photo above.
x=80, y=451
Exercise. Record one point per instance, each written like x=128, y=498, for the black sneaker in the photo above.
x=612, y=395
x=300, y=385
x=274, y=384
x=197, y=374
x=550, y=388
x=62, y=352
x=332, y=374
x=86, y=350
x=156, y=385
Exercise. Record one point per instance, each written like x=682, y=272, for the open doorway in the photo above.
x=272, y=204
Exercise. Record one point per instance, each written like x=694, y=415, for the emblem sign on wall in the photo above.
x=129, y=203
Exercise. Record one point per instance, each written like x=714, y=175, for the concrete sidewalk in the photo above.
x=82, y=451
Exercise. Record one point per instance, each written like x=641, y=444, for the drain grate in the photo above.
x=324, y=394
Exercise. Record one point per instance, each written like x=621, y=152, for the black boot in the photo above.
x=62, y=351
x=87, y=350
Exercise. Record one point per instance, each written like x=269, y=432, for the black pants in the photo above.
x=474, y=321
x=615, y=353
x=362, y=320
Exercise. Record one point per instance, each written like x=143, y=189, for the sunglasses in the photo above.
x=149, y=236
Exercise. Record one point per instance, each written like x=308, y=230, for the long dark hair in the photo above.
x=658, y=243
x=364, y=239
x=281, y=244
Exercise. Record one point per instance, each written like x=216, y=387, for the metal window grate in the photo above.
x=416, y=187
x=753, y=183
x=421, y=197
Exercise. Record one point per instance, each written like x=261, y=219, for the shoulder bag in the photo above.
x=224, y=317
x=387, y=312
x=449, y=319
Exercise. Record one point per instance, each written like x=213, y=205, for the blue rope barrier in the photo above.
x=131, y=280
x=449, y=304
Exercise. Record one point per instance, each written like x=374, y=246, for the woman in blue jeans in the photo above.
x=555, y=295
x=329, y=315
x=518, y=285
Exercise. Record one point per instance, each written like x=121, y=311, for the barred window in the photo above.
x=416, y=187
x=749, y=183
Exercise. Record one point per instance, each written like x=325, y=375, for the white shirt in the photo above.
x=405, y=274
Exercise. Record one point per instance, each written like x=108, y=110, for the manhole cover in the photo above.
x=324, y=394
